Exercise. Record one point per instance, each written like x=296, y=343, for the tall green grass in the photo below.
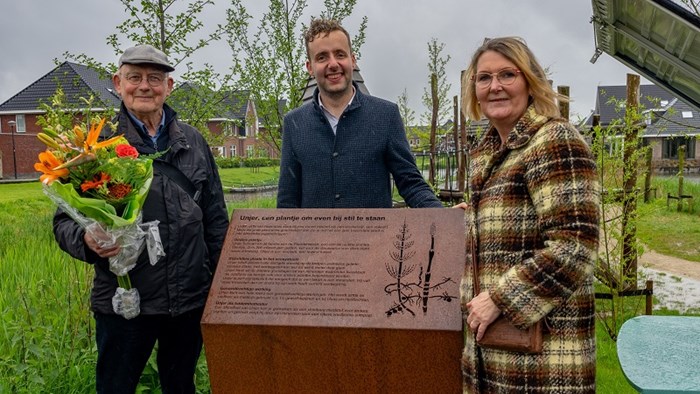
x=669, y=185
x=47, y=334
x=609, y=376
x=47, y=331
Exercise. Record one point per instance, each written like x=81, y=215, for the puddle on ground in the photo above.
x=673, y=291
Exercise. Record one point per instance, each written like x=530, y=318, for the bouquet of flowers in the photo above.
x=102, y=185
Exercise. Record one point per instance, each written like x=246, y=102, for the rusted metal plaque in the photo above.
x=370, y=268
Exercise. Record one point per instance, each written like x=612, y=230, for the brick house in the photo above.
x=670, y=123
x=18, y=117
x=235, y=118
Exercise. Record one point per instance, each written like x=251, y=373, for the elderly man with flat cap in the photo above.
x=187, y=199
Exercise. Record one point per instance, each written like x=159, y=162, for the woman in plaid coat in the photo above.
x=533, y=213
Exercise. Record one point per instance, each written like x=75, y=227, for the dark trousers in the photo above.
x=124, y=346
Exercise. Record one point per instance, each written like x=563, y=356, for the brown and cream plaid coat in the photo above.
x=534, y=210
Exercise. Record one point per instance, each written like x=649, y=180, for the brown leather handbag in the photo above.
x=502, y=334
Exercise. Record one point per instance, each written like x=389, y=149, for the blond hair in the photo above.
x=542, y=96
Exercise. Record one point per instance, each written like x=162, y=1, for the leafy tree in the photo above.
x=60, y=115
x=164, y=25
x=436, y=65
x=270, y=61
x=408, y=116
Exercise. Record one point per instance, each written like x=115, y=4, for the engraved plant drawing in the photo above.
x=408, y=295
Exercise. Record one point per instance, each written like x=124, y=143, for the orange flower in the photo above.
x=91, y=143
x=95, y=182
x=47, y=165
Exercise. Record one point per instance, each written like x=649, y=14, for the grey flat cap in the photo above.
x=146, y=54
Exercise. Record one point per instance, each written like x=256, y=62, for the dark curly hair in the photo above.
x=325, y=27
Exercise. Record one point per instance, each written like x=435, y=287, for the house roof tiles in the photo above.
x=682, y=120
x=608, y=97
x=231, y=105
x=76, y=80
x=668, y=115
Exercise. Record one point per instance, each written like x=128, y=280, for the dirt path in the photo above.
x=672, y=265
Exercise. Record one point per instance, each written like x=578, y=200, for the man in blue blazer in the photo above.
x=339, y=149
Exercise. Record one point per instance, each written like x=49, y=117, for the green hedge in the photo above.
x=234, y=162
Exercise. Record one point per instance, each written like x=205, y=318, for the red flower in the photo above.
x=125, y=150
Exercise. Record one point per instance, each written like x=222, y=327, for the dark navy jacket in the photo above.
x=349, y=169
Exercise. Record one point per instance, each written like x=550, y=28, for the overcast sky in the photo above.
x=394, y=57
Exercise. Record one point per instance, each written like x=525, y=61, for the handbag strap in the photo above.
x=178, y=177
x=475, y=269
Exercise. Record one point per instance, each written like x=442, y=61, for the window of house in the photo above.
x=228, y=128
x=219, y=151
x=232, y=149
x=242, y=130
x=687, y=114
x=615, y=146
x=21, y=126
x=249, y=130
x=249, y=150
x=669, y=148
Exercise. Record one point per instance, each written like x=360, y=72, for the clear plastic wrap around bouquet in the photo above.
x=102, y=186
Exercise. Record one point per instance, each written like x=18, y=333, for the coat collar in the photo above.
x=356, y=102
x=526, y=127
x=489, y=152
x=128, y=129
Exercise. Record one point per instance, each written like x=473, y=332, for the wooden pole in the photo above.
x=647, y=177
x=649, y=300
x=433, y=127
x=455, y=138
x=462, y=173
x=595, y=122
x=629, y=201
x=681, y=164
x=563, y=105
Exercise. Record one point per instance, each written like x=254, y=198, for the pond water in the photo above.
x=694, y=177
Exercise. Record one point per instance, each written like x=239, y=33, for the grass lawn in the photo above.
x=241, y=177
x=19, y=191
x=669, y=232
x=230, y=177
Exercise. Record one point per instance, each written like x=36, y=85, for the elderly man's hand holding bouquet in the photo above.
x=102, y=185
